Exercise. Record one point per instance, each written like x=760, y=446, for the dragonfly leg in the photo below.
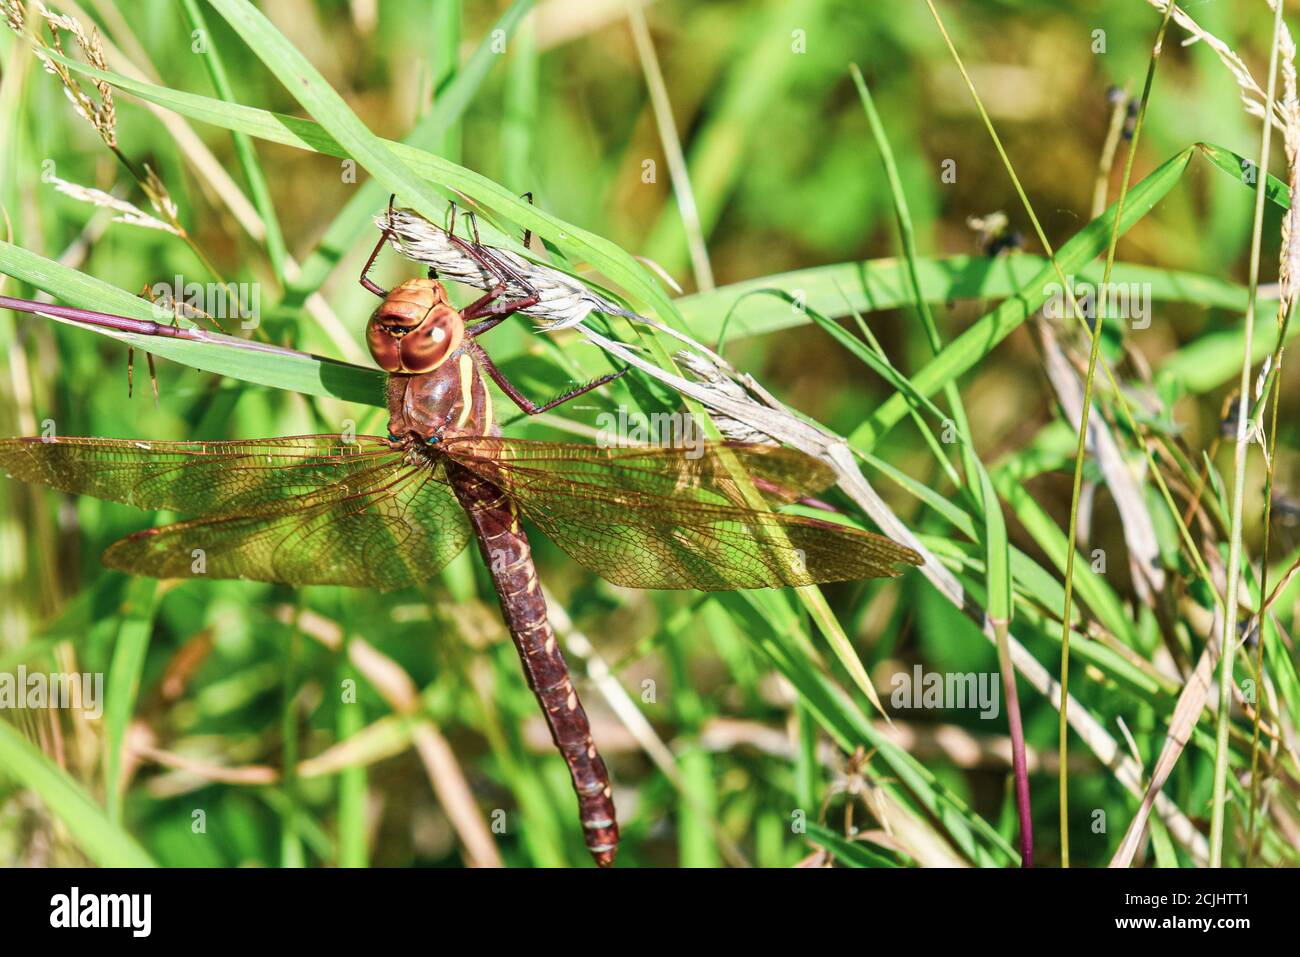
x=475, y=308
x=473, y=222
x=503, y=273
x=528, y=233
x=527, y=404
x=369, y=284
x=384, y=236
x=497, y=311
x=493, y=264
x=450, y=228
x=482, y=327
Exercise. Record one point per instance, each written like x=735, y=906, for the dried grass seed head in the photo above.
x=101, y=115
x=563, y=300
x=127, y=213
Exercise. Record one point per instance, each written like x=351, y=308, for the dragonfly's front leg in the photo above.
x=499, y=311
x=384, y=236
x=527, y=404
x=504, y=275
x=365, y=280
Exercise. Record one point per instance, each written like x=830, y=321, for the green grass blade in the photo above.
x=771, y=303
x=849, y=853
x=520, y=107
x=983, y=336
x=1211, y=360
x=579, y=244
x=352, y=844
x=248, y=162
x=429, y=133
x=308, y=87
x=122, y=686
x=1229, y=636
x=103, y=841
x=849, y=727
x=445, y=22
x=762, y=70
x=1245, y=172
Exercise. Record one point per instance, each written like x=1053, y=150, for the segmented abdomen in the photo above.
x=509, y=558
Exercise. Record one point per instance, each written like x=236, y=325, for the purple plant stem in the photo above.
x=1019, y=768
x=141, y=327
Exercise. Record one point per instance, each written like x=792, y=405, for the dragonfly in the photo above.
x=387, y=512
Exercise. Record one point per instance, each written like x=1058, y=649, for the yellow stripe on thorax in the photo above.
x=466, y=390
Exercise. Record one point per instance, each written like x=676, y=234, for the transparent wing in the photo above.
x=672, y=518
x=301, y=510
x=198, y=478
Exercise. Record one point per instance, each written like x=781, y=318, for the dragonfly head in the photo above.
x=415, y=328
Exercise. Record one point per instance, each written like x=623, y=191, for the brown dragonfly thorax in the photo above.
x=436, y=388
x=451, y=400
x=415, y=329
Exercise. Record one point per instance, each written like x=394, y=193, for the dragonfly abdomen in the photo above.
x=509, y=558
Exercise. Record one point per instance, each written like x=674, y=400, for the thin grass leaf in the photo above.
x=847, y=725
x=244, y=151
x=522, y=102
x=122, y=686
x=1228, y=642
x=1246, y=172
x=765, y=64
x=103, y=841
x=352, y=839
x=849, y=853
x=876, y=285
x=983, y=336
x=429, y=133
x=997, y=553
x=1085, y=417
x=445, y=35
x=579, y=244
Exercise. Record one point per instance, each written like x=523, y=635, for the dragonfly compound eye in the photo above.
x=428, y=345
x=414, y=329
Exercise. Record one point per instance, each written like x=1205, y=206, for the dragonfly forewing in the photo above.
x=197, y=478
x=305, y=510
